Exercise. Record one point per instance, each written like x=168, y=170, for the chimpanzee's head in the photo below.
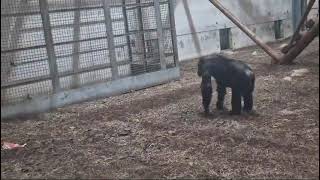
x=200, y=67
x=202, y=71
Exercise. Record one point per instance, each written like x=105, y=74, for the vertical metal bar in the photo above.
x=44, y=10
x=110, y=37
x=304, y=4
x=141, y=28
x=76, y=45
x=10, y=38
x=160, y=34
x=126, y=26
x=5, y=61
x=173, y=32
x=296, y=13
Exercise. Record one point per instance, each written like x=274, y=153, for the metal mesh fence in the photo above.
x=54, y=45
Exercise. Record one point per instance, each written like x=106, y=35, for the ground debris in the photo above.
x=161, y=132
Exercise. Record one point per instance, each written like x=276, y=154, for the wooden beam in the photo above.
x=305, y=40
x=275, y=56
x=297, y=31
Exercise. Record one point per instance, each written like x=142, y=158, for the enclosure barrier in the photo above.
x=58, y=52
x=300, y=25
x=291, y=51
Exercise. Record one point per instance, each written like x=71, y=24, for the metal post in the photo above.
x=275, y=56
x=160, y=34
x=173, y=32
x=126, y=26
x=76, y=45
x=296, y=13
x=10, y=38
x=110, y=36
x=44, y=10
x=141, y=29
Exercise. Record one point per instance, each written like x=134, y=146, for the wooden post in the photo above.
x=76, y=45
x=160, y=34
x=275, y=56
x=44, y=10
x=305, y=40
x=110, y=37
x=193, y=30
x=297, y=31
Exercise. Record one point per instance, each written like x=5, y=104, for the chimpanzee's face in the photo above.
x=200, y=68
x=202, y=71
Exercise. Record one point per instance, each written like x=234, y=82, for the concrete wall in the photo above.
x=198, y=23
x=315, y=10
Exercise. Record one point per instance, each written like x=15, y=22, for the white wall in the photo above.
x=198, y=33
x=315, y=10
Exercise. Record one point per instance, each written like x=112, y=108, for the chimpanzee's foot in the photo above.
x=221, y=107
x=250, y=112
x=233, y=113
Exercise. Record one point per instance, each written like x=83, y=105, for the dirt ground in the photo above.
x=161, y=132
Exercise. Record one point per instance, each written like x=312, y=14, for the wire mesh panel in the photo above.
x=51, y=46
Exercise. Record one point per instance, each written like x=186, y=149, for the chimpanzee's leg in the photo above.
x=248, y=102
x=236, y=102
x=206, y=99
x=221, y=94
x=206, y=91
x=248, y=97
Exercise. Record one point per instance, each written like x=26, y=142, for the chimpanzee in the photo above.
x=206, y=91
x=228, y=73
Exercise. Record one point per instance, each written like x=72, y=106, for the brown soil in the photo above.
x=160, y=132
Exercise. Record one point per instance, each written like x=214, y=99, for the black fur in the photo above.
x=206, y=91
x=229, y=73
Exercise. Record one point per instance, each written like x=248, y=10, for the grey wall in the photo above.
x=315, y=10
x=198, y=23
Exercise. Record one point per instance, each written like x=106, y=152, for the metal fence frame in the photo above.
x=78, y=92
